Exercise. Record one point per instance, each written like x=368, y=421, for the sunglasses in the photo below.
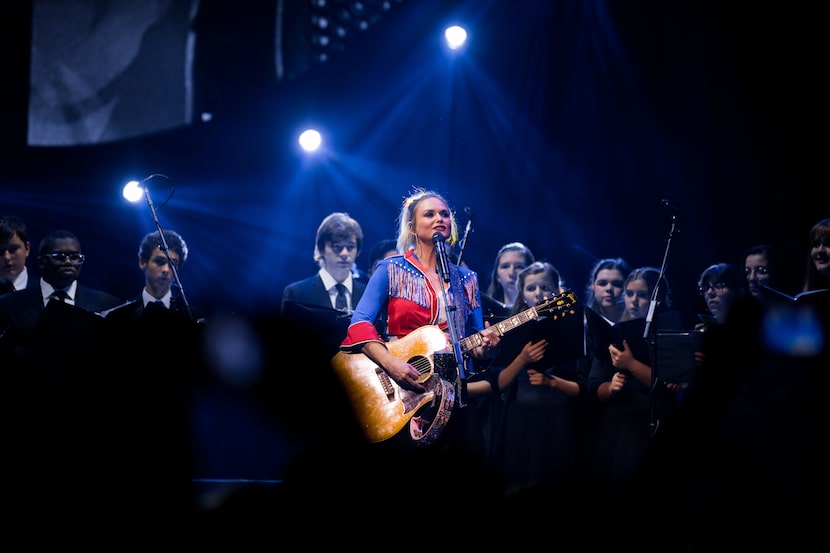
x=76, y=258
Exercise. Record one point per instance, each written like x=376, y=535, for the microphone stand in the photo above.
x=166, y=250
x=648, y=335
x=443, y=268
x=469, y=213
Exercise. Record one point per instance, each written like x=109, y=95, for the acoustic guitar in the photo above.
x=382, y=407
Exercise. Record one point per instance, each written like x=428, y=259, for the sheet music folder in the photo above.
x=65, y=327
x=64, y=338
x=565, y=336
x=819, y=299
x=674, y=349
x=602, y=333
x=676, y=355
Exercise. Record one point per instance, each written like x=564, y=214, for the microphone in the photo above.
x=441, y=252
x=673, y=208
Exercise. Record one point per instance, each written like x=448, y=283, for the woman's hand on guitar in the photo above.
x=489, y=340
x=405, y=375
x=491, y=337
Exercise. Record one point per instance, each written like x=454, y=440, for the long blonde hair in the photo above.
x=406, y=234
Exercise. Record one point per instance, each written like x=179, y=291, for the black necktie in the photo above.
x=6, y=286
x=340, y=303
x=155, y=306
x=60, y=295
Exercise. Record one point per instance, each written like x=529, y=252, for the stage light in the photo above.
x=310, y=140
x=133, y=191
x=456, y=37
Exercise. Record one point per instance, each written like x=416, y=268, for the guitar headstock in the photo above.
x=560, y=305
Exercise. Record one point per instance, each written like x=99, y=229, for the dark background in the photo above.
x=562, y=125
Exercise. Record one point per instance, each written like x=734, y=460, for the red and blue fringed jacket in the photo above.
x=399, y=283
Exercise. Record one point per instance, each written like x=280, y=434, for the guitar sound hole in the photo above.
x=421, y=363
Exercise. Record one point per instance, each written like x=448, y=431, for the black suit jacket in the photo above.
x=307, y=303
x=311, y=292
x=33, y=282
x=20, y=311
x=55, y=340
x=132, y=312
x=173, y=336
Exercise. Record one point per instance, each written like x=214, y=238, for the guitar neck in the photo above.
x=502, y=328
x=556, y=306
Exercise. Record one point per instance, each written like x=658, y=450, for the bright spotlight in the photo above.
x=310, y=140
x=133, y=191
x=455, y=36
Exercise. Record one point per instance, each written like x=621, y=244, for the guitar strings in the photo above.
x=422, y=364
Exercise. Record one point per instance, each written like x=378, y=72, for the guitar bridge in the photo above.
x=385, y=383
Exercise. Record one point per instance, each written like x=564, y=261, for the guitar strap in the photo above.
x=457, y=295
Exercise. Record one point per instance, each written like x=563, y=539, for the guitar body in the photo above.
x=381, y=406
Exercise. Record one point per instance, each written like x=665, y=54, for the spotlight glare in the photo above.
x=133, y=191
x=310, y=140
x=455, y=36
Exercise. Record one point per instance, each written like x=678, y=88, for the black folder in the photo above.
x=565, y=336
x=65, y=338
x=819, y=297
x=63, y=327
x=602, y=333
x=676, y=355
